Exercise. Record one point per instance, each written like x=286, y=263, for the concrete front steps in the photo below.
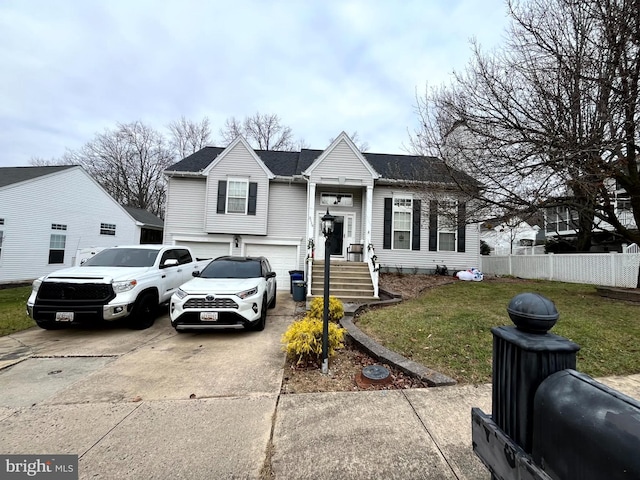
x=348, y=281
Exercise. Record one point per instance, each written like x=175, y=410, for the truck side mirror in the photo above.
x=195, y=273
x=170, y=262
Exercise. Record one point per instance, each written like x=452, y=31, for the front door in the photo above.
x=343, y=235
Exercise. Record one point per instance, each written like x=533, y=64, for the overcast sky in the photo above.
x=72, y=68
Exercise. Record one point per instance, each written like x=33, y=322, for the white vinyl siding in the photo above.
x=423, y=258
x=236, y=162
x=341, y=166
x=185, y=209
x=25, y=248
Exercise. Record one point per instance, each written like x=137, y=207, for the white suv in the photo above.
x=230, y=292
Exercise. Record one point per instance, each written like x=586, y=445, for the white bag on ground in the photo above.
x=473, y=274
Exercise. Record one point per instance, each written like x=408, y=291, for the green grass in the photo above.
x=13, y=310
x=449, y=328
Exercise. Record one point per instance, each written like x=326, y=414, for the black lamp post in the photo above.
x=327, y=231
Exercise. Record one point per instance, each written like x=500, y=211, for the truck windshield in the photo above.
x=123, y=257
x=232, y=269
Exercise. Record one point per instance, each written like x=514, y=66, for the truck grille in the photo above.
x=202, y=303
x=101, y=292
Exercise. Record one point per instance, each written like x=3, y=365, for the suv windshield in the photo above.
x=123, y=257
x=232, y=269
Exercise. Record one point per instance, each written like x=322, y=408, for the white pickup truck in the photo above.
x=117, y=283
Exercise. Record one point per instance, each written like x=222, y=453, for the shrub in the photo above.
x=316, y=309
x=303, y=340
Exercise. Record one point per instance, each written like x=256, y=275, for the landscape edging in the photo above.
x=383, y=354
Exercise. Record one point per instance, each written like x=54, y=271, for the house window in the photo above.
x=336, y=199
x=107, y=229
x=58, y=226
x=1, y=237
x=561, y=219
x=237, y=193
x=56, y=248
x=402, y=221
x=447, y=226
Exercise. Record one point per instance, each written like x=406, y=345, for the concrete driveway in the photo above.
x=148, y=397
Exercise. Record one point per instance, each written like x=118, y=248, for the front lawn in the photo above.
x=448, y=328
x=13, y=310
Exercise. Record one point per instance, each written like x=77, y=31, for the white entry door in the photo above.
x=343, y=235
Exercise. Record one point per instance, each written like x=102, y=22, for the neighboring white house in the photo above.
x=513, y=236
x=47, y=214
x=241, y=201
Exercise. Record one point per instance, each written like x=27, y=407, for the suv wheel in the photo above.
x=144, y=312
x=273, y=301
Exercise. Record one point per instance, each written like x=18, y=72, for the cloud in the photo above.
x=76, y=67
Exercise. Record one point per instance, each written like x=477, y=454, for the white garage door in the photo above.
x=207, y=249
x=281, y=257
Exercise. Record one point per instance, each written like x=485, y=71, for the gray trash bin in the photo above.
x=299, y=291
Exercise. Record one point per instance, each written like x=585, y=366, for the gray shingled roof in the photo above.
x=145, y=217
x=11, y=175
x=287, y=164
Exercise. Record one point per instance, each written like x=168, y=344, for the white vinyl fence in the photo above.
x=609, y=269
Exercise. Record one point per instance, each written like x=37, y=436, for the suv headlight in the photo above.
x=125, y=286
x=247, y=293
x=180, y=293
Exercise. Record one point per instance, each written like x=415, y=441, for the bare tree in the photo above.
x=551, y=116
x=128, y=162
x=355, y=138
x=188, y=137
x=262, y=131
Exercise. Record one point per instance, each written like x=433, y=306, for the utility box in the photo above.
x=299, y=291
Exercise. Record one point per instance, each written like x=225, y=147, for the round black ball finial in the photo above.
x=532, y=312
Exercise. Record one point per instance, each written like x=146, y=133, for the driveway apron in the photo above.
x=144, y=404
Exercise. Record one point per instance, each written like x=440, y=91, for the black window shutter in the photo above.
x=462, y=226
x=253, y=198
x=433, y=226
x=222, y=196
x=415, y=240
x=388, y=206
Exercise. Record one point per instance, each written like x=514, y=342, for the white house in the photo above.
x=47, y=214
x=405, y=210
x=513, y=236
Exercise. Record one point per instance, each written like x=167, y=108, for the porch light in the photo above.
x=327, y=224
x=327, y=230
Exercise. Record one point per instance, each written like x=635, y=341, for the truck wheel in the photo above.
x=259, y=325
x=144, y=312
x=50, y=325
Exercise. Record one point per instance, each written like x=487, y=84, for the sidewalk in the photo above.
x=393, y=434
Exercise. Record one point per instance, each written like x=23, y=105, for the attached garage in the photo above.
x=281, y=257
x=207, y=249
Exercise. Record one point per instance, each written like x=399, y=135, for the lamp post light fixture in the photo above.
x=327, y=230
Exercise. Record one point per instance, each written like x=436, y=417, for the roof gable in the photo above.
x=342, y=138
x=239, y=141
